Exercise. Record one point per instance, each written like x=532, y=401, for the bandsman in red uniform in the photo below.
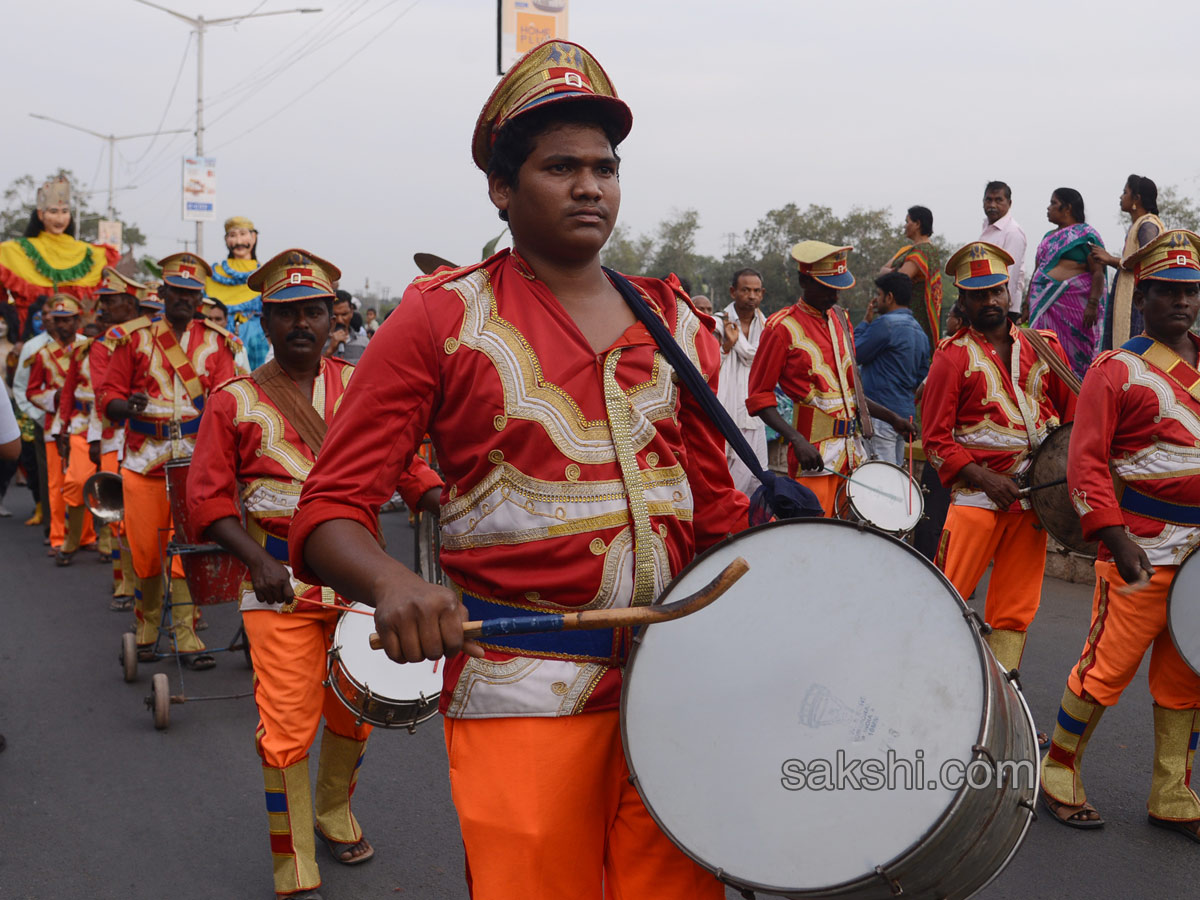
x=258, y=440
x=808, y=350
x=578, y=473
x=1143, y=426
x=118, y=298
x=47, y=376
x=989, y=402
x=157, y=381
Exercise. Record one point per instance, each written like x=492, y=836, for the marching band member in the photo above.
x=157, y=380
x=118, y=299
x=258, y=439
x=579, y=476
x=47, y=375
x=989, y=402
x=1143, y=424
x=48, y=259
x=808, y=350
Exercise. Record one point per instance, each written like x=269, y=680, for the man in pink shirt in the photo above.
x=1001, y=230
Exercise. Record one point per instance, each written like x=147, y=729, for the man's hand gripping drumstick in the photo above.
x=626, y=617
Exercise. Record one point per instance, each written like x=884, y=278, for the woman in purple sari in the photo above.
x=1068, y=284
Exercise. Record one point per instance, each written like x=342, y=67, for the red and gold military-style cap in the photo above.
x=294, y=275
x=63, y=305
x=1172, y=256
x=148, y=299
x=113, y=282
x=185, y=270
x=825, y=263
x=553, y=72
x=979, y=265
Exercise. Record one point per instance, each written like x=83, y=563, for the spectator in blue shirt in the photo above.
x=893, y=353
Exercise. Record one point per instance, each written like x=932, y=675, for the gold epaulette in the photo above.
x=778, y=316
x=425, y=283
x=119, y=334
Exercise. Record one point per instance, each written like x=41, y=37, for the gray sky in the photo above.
x=738, y=108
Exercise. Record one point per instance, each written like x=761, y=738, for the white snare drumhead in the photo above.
x=837, y=640
x=1184, y=612
x=885, y=496
x=372, y=668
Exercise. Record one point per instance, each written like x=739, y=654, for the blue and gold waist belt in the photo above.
x=1145, y=505
x=600, y=646
x=160, y=429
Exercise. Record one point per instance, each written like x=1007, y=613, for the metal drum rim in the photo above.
x=1170, y=606
x=844, y=491
x=898, y=860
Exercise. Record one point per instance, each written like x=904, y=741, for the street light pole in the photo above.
x=200, y=24
x=111, y=140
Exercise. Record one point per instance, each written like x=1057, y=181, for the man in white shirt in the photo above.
x=19, y=386
x=740, y=325
x=1002, y=230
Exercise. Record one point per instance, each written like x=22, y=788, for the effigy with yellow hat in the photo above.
x=228, y=281
x=45, y=262
x=979, y=265
x=1172, y=256
x=826, y=264
x=553, y=72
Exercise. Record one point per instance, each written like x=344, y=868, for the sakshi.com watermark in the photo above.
x=895, y=773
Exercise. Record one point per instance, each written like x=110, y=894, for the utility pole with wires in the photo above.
x=111, y=139
x=199, y=25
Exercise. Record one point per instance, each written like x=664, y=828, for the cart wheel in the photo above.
x=160, y=688
x=129, y=656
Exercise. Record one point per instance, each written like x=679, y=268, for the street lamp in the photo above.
x=199, y=23
x=112, y=142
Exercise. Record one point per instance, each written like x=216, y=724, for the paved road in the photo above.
x=95, y=803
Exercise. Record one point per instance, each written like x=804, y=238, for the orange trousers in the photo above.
x=1124, y=627
x=974, y=537
x=124, y=579
x=826, y=488
x=289, y=651
x=148, y=523
x=79, y=469
x=56, y=507
x=547, y=812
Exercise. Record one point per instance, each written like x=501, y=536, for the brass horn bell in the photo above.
x=103, y=497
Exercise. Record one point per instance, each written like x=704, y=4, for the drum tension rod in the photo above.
x=984, y=751
x=984, y=627
x=1029, y=805
x=894, y=885
x=1014, y=677
x=748, y=894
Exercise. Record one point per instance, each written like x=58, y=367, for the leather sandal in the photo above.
x=1065, y=813
x=123, y=603
x=337, y=848
x=1189, y=828
x=199, y=662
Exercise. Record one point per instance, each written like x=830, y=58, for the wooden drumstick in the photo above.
x=626, y=617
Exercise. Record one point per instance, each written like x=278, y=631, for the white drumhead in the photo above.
x=1184, y=612
x=869, y=488
x=372, y=668
x=836, y=639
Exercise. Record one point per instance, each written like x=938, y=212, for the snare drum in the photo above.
x=377, y=690
x=840, y=645
x=881, y=495
x=1183, y=612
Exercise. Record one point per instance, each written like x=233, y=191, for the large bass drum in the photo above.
x=1053, y=505
x=1183, y=611
x=842, y=652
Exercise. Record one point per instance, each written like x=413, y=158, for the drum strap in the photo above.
x=296, y=408
x=1052, y=359
x=785, y=497
x=860, y=399
x=167, y=344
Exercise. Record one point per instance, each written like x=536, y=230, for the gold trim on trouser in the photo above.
x=74, y=529
x=1008, y=647
x=337, y=774
x=1061, y=775
x=105, y=539
x=125, y=580
x=619, y=411
x=1174, y=748
x=148, y=603
x=289, y=817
